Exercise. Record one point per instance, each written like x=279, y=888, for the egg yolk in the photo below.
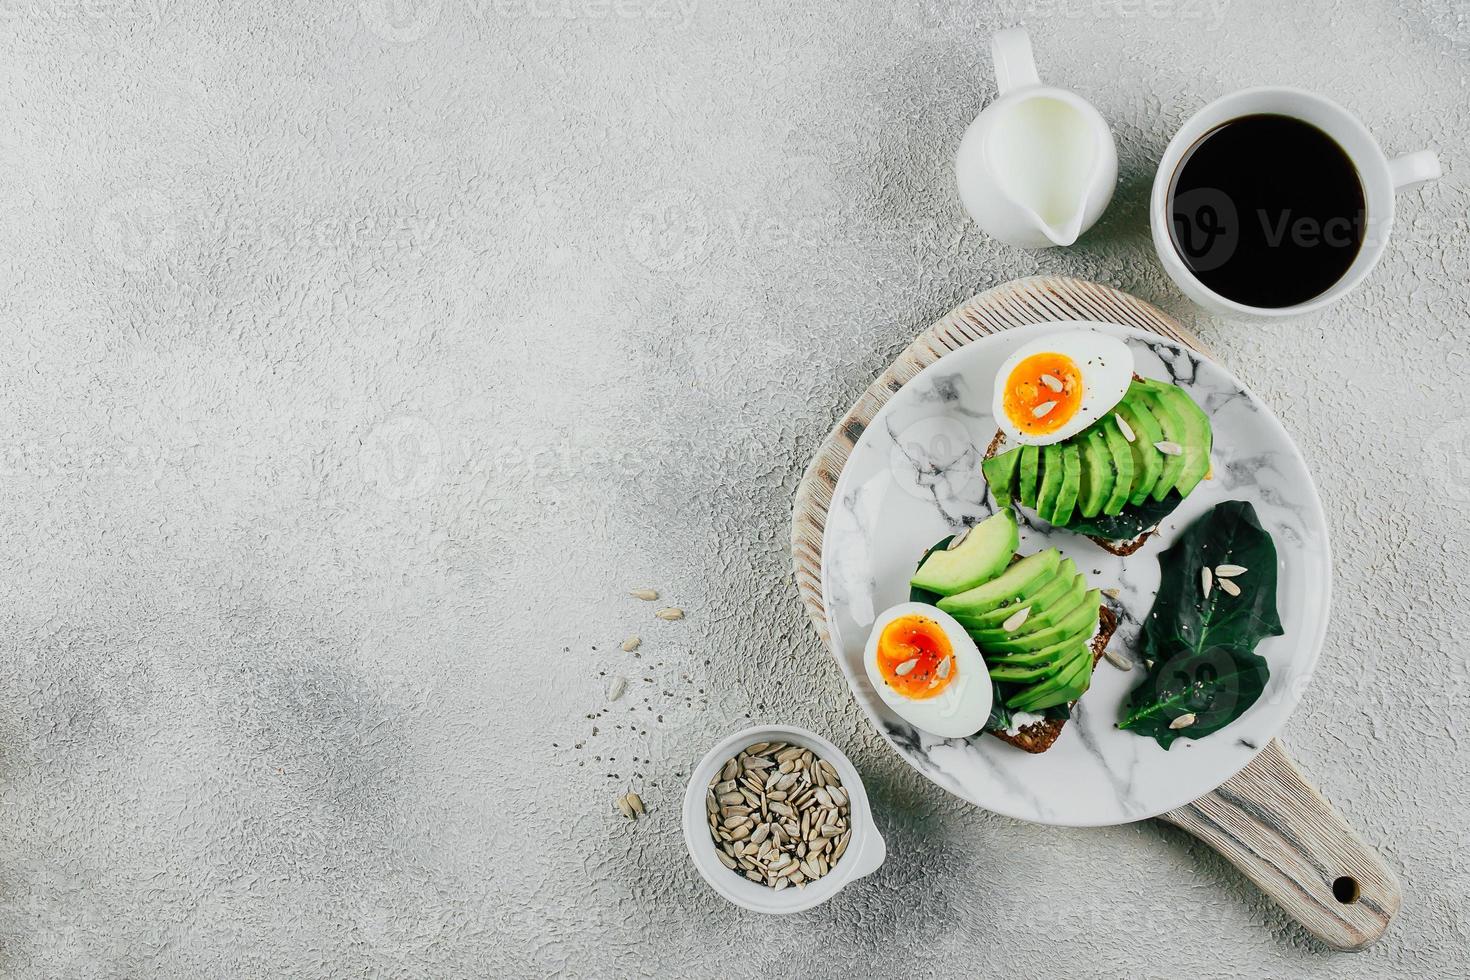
x=915, y=657
x=1043, y=393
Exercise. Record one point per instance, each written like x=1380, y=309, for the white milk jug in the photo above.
x=1038, y=166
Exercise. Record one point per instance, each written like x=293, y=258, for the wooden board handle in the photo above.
x=1274, y=826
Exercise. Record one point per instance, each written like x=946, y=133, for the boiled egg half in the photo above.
x=1057, y=386
x=927, y=669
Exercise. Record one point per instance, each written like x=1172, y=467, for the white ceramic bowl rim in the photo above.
x=865, y=851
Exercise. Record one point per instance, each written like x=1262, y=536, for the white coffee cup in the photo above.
x=1381, y=177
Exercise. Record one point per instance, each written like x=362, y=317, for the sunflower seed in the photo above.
x=838, y=794
x=760, y=833
x=726, y=860
x=728, y=786
x=1230, y=571
x=740, y=833
x=958, y=539
x=781, y=883
x=729, y=799
x=647, y=595
x=840, y=847
x=1016, y=620
x=1042, y=410
x=1183, y=721
x=808, y=869
x=1125, y=428
x=1117, y=659
x=824, y=798
x=829, y=830
x=636, y=802
x=1169, y=448
x=711, y=805
x=943, y=670
x=753, y=763
x=787, y=754
x=1112, y=593
x=1206, y=581
x=1054, y=383
x=624, y=807
x=730, y=770
x=902, y=670
x=616, y=688
x=631, y=643
x=1229, y=586
x=670, y=614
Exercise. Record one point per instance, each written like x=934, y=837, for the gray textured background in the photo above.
x=358, y=358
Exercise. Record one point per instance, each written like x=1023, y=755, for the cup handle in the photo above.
x=875, y=850
x=1413, y=169
x=1015, y=66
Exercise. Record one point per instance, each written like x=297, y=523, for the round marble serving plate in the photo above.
x=914, y=476
x=902, y=469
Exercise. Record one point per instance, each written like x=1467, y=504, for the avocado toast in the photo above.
x=1118, y=478
x=1034, y=619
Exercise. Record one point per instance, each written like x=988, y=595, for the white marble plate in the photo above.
x=914, y=476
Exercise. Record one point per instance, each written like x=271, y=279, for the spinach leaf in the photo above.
x=1130, y=523
x=1203, y=648
x=1182, y=619
x=1215, y=685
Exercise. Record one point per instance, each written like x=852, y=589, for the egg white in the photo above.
x=1106, y=366
x=963, y=707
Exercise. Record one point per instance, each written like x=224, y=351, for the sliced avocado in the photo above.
x=1047, y=593
x=1067, y=684
x=1051, y=479
x=983, y=555
x=1032, y=657
x=1148, y=462
x=1041, y=616
x=1030, y=470
x=1098, y=475
x=1197, y=438
x=1022, y=578
x=1080, y=621
x=1000, y=473
x=1122, y=458
x=1172, y=426
x=1066, y=502
x=1019, y=673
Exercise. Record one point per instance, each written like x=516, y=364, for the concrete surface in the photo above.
x=359, y=358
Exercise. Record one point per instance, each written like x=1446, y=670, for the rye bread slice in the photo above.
x=1121, y=548
x=1038, y=737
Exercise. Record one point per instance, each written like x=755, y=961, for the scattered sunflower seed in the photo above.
x=1183, y=721
x=631, y=643
x=944, y=666
x=1054, y=383
x=958, y=539
x=1044, y=409
x=1206, y=581
x=647, y=595
x=903, y=669
x=1229, y=587
x=1169, y=448
x=1125, y=428
x=1016, y=620
x=616, y=688
x=670, y=614
x=625, y=808
x=636, y=802
x=1117, y=659
x=1230, y=571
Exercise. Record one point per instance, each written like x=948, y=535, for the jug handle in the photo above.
x=1015, y=66
x=1413, y=169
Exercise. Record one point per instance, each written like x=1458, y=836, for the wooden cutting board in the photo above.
x=1267, y=820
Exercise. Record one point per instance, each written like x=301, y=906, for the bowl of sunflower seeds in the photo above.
x=776, y=820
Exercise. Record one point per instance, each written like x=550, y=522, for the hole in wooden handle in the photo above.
x=1347, y=890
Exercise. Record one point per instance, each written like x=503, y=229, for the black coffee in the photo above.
x=1267, y=210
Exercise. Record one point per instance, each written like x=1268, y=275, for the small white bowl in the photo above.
x=865, y=851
